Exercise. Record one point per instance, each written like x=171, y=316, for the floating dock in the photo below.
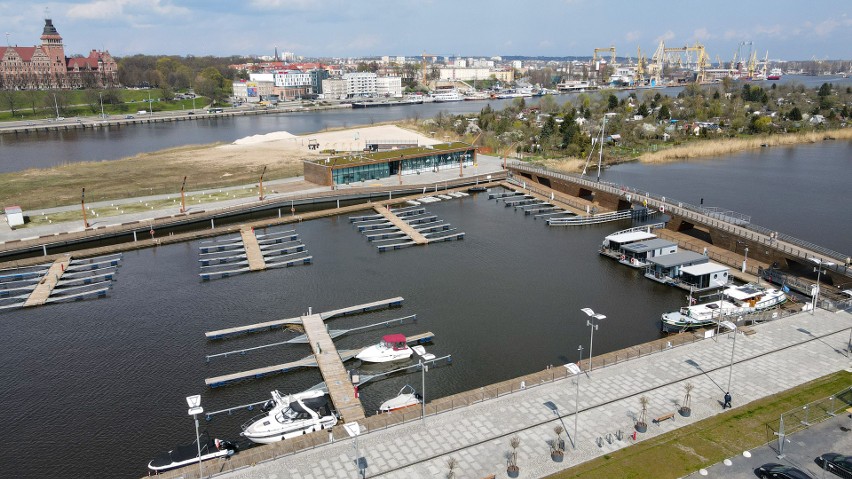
x=333, y=373
x=306, y=362
x=402, y=225
x=253, y=253
x=253, y=328
x=45, y=287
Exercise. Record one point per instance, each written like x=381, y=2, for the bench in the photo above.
x=664, y=417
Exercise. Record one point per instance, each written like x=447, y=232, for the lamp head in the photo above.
x=194, y=403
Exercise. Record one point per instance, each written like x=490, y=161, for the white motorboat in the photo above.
x=737, y=301
x=290, y=416
x=392, y=347
x=446, y=95
x=188, y=453
x=407, y=397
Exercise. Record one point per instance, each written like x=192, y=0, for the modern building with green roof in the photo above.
x=360, y=167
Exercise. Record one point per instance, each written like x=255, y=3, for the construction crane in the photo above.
x=611, y=49
x=655, y=68
x=641, y=61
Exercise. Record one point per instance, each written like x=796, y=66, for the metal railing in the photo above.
x=710, y=217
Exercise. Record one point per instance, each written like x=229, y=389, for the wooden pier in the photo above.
x=252, y=328
x=253, y=253
x=402, y=225
x=306, y=362
x=333, y=373
x=42, y=291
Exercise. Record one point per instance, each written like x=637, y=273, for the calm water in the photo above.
x=101, y=384
x=803, y=191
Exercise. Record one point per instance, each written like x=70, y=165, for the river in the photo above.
x=46, y=149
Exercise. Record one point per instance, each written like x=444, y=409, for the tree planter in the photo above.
x=513, y=471
x=685, y=411
x=557, y=456
x=641, y=427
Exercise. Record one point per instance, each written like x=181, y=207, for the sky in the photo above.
x=786, y=29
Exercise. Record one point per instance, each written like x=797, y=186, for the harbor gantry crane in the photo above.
x=611, y=49
x=641, y=62
x=655, y=68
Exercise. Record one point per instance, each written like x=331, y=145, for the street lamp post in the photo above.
x=194, y=403
x=577, y=400
x=101, y=96
x=593, y=325
x=820, y=263
x=733, y=348
x=423, y=369
x=745, y=259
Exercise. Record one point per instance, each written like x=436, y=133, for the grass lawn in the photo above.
x=687, y=449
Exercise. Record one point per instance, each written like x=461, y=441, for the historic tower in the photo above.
x=51, y=44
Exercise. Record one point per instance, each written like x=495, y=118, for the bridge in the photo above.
x=729, y=230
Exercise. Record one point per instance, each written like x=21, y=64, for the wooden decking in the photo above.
x=48, y=282
x=402, y=225
x=253, y=253
x=331, y=366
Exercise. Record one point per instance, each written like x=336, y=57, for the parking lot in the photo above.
x=833, y=435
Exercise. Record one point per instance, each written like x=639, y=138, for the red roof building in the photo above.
x=45, y=66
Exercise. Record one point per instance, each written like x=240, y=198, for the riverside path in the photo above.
x=782, y=354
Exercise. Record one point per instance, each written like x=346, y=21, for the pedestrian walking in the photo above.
x=727, y=403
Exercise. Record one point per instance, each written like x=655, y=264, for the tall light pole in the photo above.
x=577, y=399
x=733, y=348
x=745, y=259
x=423, y=369
x=820, y=263
x=194, y=403
x=593, y=325
x=101, y=96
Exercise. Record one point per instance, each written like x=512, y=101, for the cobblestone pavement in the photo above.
x=782, y=354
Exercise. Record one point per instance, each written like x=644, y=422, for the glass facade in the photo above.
x=410, y=166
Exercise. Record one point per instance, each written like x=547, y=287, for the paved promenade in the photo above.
x=782, y=354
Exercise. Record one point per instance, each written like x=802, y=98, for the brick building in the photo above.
x=45, y=66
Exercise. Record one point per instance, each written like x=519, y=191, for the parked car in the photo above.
x=129, y=117
x=780, y=471
x=836, y=463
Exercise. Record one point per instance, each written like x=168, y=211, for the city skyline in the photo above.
x=786, y=29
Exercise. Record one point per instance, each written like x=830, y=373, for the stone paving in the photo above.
x=782, y=354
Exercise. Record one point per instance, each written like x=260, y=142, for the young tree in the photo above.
x=664, y=113
x=795, y=114
x=643, y=110
x=613, y=102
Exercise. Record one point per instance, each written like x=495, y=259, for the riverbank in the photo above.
x=730, y=146
x=205, y=166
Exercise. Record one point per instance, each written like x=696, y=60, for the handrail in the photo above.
x=783, y=242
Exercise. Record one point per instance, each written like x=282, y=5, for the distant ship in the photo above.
x=775, y=74
x=446, y=95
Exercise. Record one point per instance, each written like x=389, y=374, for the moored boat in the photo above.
x=289, y=416
x=407, y=397
x=188, y=453
x=392, y=347
x=736, y=301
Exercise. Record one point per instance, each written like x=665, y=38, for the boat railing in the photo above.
x=725, y=220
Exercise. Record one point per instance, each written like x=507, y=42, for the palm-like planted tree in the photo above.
x=451, y=465
x=685, y=410
x=512, y=469
x=641, y=424
x=557, y=449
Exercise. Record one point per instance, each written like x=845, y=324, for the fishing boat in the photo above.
x=289, y=416
x=407, y=397
x=392, y=347
x=188, y=453
x=735, y=301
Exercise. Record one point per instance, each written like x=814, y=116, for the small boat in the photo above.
x=477, y=189
x=407, y=397
x=775, y=74
x=289, y=416
x=737, y=301
x=188, y=453
x=392, y=347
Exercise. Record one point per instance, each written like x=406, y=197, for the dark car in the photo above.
x=836, y=463
x=191, y=113
x=780, y=471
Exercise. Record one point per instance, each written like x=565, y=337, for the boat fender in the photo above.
x=632, y=260
x=623, y=257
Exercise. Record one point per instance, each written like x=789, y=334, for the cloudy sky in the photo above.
x=787, y=29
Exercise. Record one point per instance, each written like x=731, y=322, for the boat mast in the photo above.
x=600, y=157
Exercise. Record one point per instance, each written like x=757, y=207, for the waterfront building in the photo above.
x=360, y=167
x=334, y=88
x=360, y=84
x=389, y=87
x=45, y=66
